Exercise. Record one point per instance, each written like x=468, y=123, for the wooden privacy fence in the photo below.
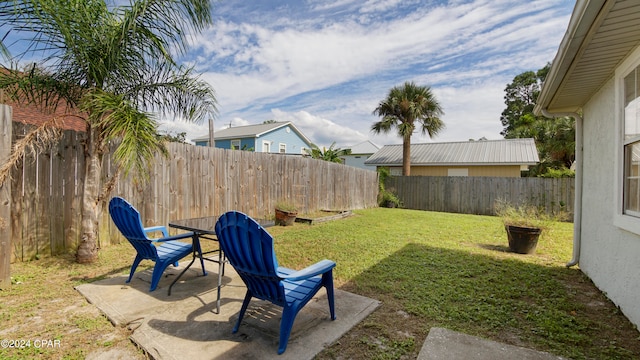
x=5, y=200
x=477, y=195
x=193, y=181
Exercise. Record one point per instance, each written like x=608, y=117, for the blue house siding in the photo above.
x=254, y=137
x=247, y=143
x=294, y=144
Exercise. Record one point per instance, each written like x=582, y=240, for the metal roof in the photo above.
x=485, y=152
x=600, y=35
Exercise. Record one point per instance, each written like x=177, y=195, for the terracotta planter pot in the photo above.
x=522, y=240
x=285, y=218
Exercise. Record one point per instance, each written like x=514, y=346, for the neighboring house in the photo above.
x=277, y=137
x=32, y=115
x=359, y=154
x=596, y=73
x=504, y=158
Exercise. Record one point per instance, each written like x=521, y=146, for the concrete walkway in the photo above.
x=443, y=344
x=185, y=325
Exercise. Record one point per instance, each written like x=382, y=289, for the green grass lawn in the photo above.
x=455, y=271
x=428, y=270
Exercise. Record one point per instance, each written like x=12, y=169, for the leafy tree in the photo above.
x=113, y=66
x=401, y=109
x=269, y=121
x=555, y=141
x=170, y=137
x=520, y=98
x=555, y=138
x=331, y=154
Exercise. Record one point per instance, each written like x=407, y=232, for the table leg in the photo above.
x=220, y=270
x=197, y=252
x=196, y=247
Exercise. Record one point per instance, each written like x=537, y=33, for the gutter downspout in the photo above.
x=577, y=207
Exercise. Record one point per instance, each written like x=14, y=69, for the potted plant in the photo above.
x=523, y=224
x=286, y=213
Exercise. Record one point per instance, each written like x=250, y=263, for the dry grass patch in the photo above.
x=49, y=319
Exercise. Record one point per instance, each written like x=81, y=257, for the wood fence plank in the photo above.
x=17, y=196
x=6, y=253
x=56, y=218
x=30, y=218
x=42, y=204
x=477, y=195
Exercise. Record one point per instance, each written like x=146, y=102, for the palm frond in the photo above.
x=122, y=123
x=37, y=140
x=33, y=86
x=4, y=51
x=406, y=104
x=170, y=90
x=168, y=21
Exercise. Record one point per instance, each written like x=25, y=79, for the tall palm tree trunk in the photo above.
x=406, y=155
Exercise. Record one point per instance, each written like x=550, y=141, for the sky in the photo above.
x=325, y=65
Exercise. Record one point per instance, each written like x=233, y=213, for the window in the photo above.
x=235, y=144
x=266, y=146
x=282, y=148
x=626, y=189
x=457, y=172
x=631, y=188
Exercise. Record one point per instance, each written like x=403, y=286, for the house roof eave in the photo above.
x=587, y=58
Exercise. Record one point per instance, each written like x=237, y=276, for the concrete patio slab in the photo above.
x=185, y=324
x=444, y=344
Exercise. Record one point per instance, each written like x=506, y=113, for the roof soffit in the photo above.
x=597, y=41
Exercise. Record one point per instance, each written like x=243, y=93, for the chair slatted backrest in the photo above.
x=249, y=248
x=127, y=219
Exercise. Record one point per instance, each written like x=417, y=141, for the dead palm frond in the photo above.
x=33, y=143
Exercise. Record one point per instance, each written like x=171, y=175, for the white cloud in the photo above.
x=324, y=131
x=379, y=5
x=326, y=69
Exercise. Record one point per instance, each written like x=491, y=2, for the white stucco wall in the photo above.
x=610, y=256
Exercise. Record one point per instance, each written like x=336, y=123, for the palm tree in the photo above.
x=330, y=154
x=113, y=66
x=402, y=107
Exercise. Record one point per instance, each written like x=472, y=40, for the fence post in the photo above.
x=5, y=200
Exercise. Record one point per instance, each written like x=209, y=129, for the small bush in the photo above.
x=386, y=198
x=526, y=215
x=558, y=173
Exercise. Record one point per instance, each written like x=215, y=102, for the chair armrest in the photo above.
x=318, y=268
x=175, y=237
x=161, y=228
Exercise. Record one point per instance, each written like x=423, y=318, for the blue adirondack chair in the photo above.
x=163, y=251
x=249, y=249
